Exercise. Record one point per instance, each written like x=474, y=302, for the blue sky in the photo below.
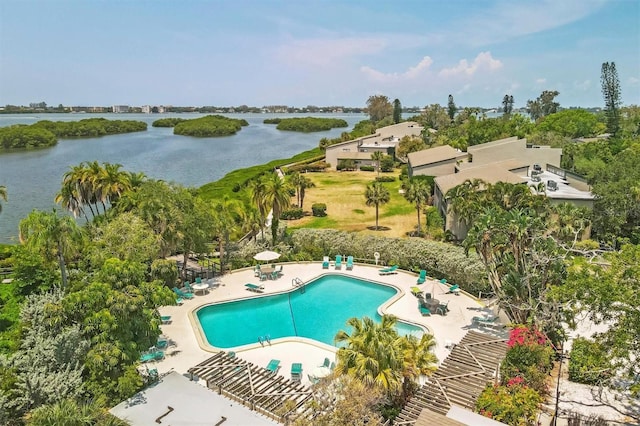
x=303, y=52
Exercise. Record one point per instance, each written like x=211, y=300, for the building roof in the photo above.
x=488, y=173
x=494, y=143
x=179, y=401
x=564, y=191
x=433, y=155
x=380, y=138
x=510, y=164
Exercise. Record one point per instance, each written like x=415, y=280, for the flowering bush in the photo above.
x=513, y=404
x=529, y=359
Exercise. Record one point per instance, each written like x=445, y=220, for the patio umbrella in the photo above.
x=266, y=255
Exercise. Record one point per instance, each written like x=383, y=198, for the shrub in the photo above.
x=367, y=168
x=529, y=357
x=319, y=209
x=292, y=214
x=589, y=362
x=442, y=260
x=386, y=178
x=346, y=165
x=387, y=163
x=513, y=404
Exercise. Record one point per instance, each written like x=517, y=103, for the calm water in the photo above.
x=32, y=178
x=315, y=314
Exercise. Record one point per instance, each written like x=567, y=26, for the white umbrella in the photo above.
x=266, y=255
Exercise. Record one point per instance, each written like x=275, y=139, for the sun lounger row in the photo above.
x=338, y=262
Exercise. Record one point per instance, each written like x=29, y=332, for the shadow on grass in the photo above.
x=379, y=228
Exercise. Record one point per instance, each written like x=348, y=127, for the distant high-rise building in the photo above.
x=120, y=108
x=146, y=109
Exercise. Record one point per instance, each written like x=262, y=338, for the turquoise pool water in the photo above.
x=318, y=313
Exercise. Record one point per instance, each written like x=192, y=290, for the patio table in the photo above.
x=432, y=304
x=200, y=287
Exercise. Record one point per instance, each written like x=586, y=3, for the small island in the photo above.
x=306, y=124
x=168, y=122
x=208, y=126
x=46, y=133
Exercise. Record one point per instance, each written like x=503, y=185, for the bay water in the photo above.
x=34, y=177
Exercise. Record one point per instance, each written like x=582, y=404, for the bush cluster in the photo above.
x=589, y=362
x=441, y=260
x=367, y=168
x=292, y=214
x=386, y=178
x=346, y=165
x=21, y=137
x=319, y=209
x=90, y=127
x=524, y=371
x=272, y=120
x=316, y=166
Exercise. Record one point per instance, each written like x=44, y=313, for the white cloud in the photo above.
x=541, y=80
x=413, y=72
x=483, y=62
x=633, y=81
x=508, y=19
x=582, y=85
x=327, y=52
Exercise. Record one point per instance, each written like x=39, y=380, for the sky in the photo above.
x=306, y=52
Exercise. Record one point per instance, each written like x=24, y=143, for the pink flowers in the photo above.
x=515, y=381
x=526, y=336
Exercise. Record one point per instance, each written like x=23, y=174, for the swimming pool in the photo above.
x=317, y=313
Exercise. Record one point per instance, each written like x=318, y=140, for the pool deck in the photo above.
x=189, y=349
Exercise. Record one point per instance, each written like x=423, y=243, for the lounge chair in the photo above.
x=273, y=366
x=443, y=308
x=416, y=291
x=443, y=281
x=162, y=343
x=326, y=363
x=455, y=289
x=165, y=319
x=349, y=263
x=254, y=287
x=186, y=287
x=424, y=310
x=338, y=263
x=325, y=262
x=423, y=277
x=296, y=372
x=198, y=280
x=388, y=271
x=182, y=294
x=152, y=356
x=485, y=321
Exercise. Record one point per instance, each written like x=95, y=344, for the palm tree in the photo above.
x=224, y=212
x=257, y=193
x=372, y=353
x=304, y=184
x=465, y=200
x=378, y=356
x=377, y=157
x=114, y=182
x=53, y=235
x=376, y=195
x=3, y=195
x=417, y=192
x=277, y=196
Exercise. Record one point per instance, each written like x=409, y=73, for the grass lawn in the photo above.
x=343, y=193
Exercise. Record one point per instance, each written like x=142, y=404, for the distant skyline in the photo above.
x=298, y=53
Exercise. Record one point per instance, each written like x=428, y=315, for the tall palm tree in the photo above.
x=417, y=192
x=377, y=157
x=465, y=200
x=54, y=236
x=224, y=213
x=114, y=182
x=304, y=184
x=376, y=195
x=3, y=195
x=419, y=360
x=277, y=196
x=257, y=193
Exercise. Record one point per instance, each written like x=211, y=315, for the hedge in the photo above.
x=441, y=260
